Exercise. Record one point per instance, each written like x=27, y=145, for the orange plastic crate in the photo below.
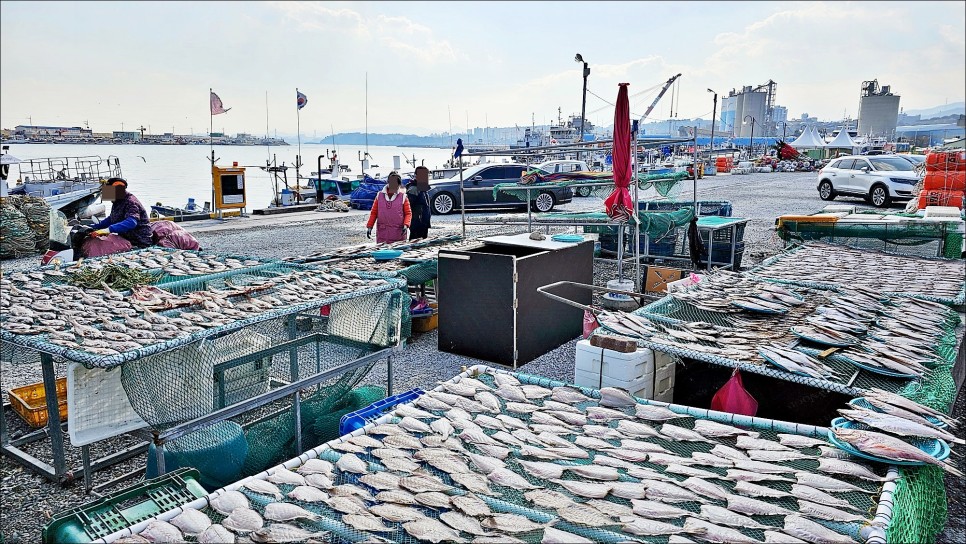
x=30, y=403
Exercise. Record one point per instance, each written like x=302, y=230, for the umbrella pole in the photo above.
x=620, y=252
x=637, y=223
x=694, y=199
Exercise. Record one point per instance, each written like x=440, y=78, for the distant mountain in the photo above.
x=955, y=108
x=401, y=140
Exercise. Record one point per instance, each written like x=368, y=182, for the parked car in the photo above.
x=879, y=179
x=444, y=194
x=563, y=166
x=916, y=160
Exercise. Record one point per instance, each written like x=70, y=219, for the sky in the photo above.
x=435, y=65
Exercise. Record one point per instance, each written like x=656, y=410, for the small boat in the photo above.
x=69, y=184
x=191, y=208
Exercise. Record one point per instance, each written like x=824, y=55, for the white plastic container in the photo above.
x=97, y=405
x=625, y=367
x=642, y=387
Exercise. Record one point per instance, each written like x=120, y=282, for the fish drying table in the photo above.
x=24, y=348
x=502, y=499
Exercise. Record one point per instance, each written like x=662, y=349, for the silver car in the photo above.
x=879, y=179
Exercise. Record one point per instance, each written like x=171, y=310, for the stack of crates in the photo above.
x=723, y=240
x=724, y=164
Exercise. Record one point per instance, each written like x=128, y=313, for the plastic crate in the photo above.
x=722, y=254
x=720, y=208
x=30, y=403
x=724, y=235
x=127, y=507
x=358, y=419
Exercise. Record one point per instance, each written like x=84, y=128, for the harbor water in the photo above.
x=170, y=174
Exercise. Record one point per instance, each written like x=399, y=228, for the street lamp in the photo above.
x=714, y=114
x=784, y=126
x=583, y=103
x=752, y=117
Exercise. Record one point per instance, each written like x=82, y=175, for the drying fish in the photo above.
x=543, y=418
x=712, y=460
x=582, y=514
x=653, y=412
x=498, y=452
x=214, y=534
x=502, y=379
x=430, y=403
x=556, y=536
x=760, y=466
x=346, y=504
x=264, y=488
x=489, y=400
x=307, y=493
x=610, y=508
x=459, y=388
x=649, y=527
x=508, y=478
x=396, y=496
x=562, y=406
x=657, y=510
x=365, y=441
x=603, y=432
x=568, y=395
x=899, y=426
x=754, y=490
x=634, y=429
x=749, y=443
x=350, y=463
x=395, y=513
x=191, y=522
x=283, y=475
x=710, y=532
x=473, y=436
x=484, y=463
x=616, y=397
x=462, y=523
x=831, y=452
x=349, y=490
x=535, y=391
x=489, y=422
x=691, y=471
x=365, y=522
x=472, y=481
x=511, y=523
x=682, y=434
x=402, y=441
x=243, y=520
x=889, y=447
x=907, y=404
x=931, y=421
x=585, y=489
x=723, y=516
x=227, y=501
x=283, y=511
x=162, y=531
x=553, y=440
x=810, y=531
x=593, y=443
x=471, y=506
x=414, y=425
x=511, y=422
x=628, y=490
x=821, y=497
x=600, y=414
x=826, y=483
x=319, y=480
x=421, y=483
x=668, y=492
x=634, y=456
x=546, y=498
x=539, y=453
x=728, y=452
x=738, y=475
x=849, y=468
x=755, y=507
x=776, y=537
x=433, y=499
x=569, y=417
x=510, y=393
x=640, y=445
x=593, y=472
x=406, y=409
x=799, y=441
x=707, y=489
x=380, y=480
x=546, y=471
x=283, y=532
x=442, y=426
x=521, y=407
x=821, y=511
x=770, y=456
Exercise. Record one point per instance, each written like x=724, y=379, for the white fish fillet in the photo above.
x=714, y=429
x=585, y=489
x=723, y=516
x=546, y=471
x=816, y=533
x=710, y=532
x=658, y=510
x=508, y=478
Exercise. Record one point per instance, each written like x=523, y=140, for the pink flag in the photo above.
x=216, y=105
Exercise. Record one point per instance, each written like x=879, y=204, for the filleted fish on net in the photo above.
x=492, y=458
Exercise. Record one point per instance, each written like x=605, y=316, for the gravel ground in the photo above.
x=29, y=500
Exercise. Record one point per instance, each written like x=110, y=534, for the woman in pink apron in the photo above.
x=392, y=212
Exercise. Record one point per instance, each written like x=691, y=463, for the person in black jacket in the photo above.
x=418, y=194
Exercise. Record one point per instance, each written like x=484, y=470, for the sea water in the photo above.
x=172, y=173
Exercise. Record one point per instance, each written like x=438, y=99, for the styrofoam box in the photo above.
x=942, y=211
x=624, y=367
x=643, y=387
x=832, y=208
x=97, y=405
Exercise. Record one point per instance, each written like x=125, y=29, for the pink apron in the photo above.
x=389, y=218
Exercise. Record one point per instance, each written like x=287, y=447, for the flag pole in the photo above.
x=211, y=147
x=298, y=134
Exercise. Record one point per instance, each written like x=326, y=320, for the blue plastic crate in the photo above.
x=358, y=419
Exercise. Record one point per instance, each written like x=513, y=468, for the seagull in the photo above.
x=142, y=158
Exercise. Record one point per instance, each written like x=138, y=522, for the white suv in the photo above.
x=879, y=179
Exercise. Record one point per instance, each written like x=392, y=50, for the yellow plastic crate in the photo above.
x=30, y=403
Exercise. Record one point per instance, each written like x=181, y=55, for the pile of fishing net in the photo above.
x=328, y=205
x=24, y=226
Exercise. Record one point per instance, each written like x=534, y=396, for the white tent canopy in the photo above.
x=842, y=141
x=808, y=140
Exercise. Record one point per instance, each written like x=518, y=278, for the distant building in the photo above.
x=127, y=135
x=878, y=109
x=43, y=131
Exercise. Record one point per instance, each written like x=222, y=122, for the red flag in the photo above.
x=216, y=105
x=618, y=204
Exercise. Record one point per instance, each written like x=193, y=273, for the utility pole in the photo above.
x=583, y=102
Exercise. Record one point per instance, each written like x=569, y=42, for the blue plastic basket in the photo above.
x=358, y=419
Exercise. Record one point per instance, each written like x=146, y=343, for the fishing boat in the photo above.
x=69, y=184
x=191, y=208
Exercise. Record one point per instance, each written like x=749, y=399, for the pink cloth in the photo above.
x=618, y=205
x=170, y=234
x=391, y=218
x=99, y=246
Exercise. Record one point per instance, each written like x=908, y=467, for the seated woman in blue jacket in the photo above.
x=128, y=217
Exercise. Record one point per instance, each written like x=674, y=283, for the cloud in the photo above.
x=399, y=34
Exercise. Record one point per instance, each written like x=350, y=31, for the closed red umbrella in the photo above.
x=618, y=204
